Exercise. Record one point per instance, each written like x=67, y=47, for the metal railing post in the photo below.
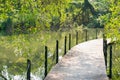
x=86, y=35
x=105, y=50
x=65, y=45
x=28, y=69
x=110, y=65
x=76, y=37
x=46, y=62
x=69, y=41
x=96, y=33
x=57, y=55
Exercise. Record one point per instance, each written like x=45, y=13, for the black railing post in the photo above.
x=105, y=49
x=57, y=55
x=65, y=45
x=110, y=65
x=28, y=69
x=96, y=33
x=69, y=41
x=46, y=62
x=76, y=37
x=86, y=35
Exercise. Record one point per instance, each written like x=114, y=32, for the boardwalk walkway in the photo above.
x=83, y=62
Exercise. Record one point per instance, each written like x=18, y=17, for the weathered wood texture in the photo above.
x=83, y=62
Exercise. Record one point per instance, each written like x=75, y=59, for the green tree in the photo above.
x=111, y=21
x=25, y=16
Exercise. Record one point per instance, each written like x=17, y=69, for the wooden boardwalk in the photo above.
x=83, y=62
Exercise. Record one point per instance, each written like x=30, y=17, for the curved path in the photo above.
x=85, y=61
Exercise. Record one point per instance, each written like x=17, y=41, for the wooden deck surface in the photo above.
x=83, y=62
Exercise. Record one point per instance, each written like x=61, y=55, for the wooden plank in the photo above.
x=83, y=62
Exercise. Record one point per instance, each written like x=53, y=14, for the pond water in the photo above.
x=16, y=49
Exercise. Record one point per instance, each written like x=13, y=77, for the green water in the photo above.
x=16, y=49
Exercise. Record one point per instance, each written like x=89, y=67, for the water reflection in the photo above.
x=34, y=76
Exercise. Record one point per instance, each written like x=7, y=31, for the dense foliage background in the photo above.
x=112, y=21
x=21, y=16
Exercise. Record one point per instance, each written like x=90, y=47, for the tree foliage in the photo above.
x=21, y=15
x=112, y=20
